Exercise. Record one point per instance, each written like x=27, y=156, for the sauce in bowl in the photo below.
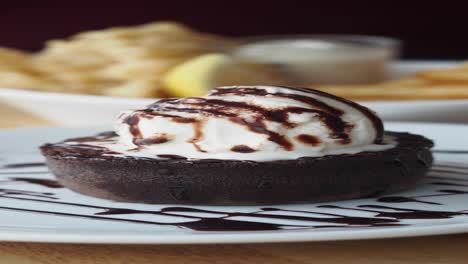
x=333, y=59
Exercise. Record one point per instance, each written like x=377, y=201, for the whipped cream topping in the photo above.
x=259, y=123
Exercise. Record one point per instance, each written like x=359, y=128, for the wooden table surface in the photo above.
x=432, y=249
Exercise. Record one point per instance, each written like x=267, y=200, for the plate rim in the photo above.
x=233, y=238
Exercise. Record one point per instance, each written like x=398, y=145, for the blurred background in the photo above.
x=185, y=48
x=429, y=30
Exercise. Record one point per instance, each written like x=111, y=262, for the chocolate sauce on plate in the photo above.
x=448, y=151
x=43, y=182
x=402, y=199
x=23, y=165
x=449, y=184
x=223, y=220
x=399, y=213
x=23, y=172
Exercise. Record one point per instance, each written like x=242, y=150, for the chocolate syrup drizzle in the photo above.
x=376, y=121
x=132, y=122
x=242, y=149
x=449, y=151
x=330, y=116
x=336, y=217
x=402, y=199
x=24, y=172
x=42, y=182
x=23, y=165
x=309, y=139
x=158, y=139
x=170, y=156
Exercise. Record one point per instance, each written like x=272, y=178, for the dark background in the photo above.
x=436, y=30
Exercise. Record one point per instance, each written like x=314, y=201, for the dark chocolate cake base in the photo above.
x=229, y=182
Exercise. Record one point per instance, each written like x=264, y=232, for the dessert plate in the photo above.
x=81, y=110
x=34, y=207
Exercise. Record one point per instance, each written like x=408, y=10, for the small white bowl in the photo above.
x=323, y=59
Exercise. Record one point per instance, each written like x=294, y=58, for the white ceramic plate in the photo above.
x=32, y=209
x=79, y=110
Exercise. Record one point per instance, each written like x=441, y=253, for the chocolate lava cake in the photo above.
x=242, y=145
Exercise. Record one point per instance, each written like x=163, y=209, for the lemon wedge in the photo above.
x=199, y=75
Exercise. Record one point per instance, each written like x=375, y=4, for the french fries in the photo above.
x=123, y=61
x=132, y=62
x=451, y=83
